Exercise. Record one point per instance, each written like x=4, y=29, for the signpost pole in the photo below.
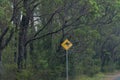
x=66, y=45
x=67, y=65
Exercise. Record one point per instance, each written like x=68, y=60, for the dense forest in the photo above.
x=31, y=33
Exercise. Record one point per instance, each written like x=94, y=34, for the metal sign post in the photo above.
x=67, y=75
x=66, y=45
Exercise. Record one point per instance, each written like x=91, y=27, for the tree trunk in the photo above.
x=22, y=52
x=32, y=53
x=1, y=66
x=0, y=55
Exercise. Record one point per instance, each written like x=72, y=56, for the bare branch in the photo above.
x=50, y=33
x=53, y=14
x=4, y=33
x=8, y=39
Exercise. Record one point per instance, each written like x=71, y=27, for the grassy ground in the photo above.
x=99, y=76
x=112, y=76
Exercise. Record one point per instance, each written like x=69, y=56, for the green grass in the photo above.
x=99, y=76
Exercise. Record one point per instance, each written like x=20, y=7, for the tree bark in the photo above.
x=22, y=52
x=0, y=55
x=1, y=66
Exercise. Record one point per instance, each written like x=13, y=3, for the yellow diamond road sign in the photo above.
x=66, y=44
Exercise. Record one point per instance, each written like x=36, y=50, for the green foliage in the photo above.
x=89, y=64
x=24, y=75
x=99, y=76
x=1, y=13
x=5, y=10
x=94, y=7
x=87, y=33
x=95, y=36
x=59, y=1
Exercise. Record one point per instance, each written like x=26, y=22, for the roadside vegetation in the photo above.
x=31, y=33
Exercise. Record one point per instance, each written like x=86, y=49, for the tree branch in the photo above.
x=8, y=39
x=65, y=25
x=52, y=15
x=4, y=33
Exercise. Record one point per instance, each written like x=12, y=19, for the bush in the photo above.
x=24, y=75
